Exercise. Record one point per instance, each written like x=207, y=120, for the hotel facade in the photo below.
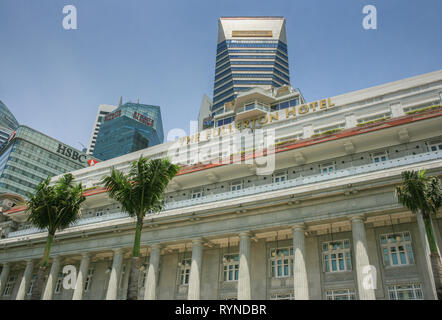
x=306, y=211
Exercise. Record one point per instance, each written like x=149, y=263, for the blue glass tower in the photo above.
x=129, y=128
x=8, y=123
x=251, y=52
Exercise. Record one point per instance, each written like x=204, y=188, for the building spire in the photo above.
x=120, y=101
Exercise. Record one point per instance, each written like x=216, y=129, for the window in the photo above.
x=336, y=256
x=231, y=267
x=59, y=283
x=435, y=146
x=99, y=213
x=87, y=282
x=196, y=194
x=283, y=296
x=396, y=249
x=405, y=292
x=379, y=156
x=279, y=177
x=236, y=186
x=281, y=261
x=31, y=285
x=185, y=271
x=9, y=286
x=327, y=168
x=341, y=294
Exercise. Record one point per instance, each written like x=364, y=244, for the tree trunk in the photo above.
x=132, y=287
x=37, y=288
x=430, y=235
x=38, y=284
x=436, y=264
x=47, y=252
x=134, y=276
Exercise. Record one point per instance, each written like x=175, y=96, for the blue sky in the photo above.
x=163, y=52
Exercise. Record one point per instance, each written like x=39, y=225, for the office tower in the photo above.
x=130, y=127
x=204, y=119
x=30, y=156
x=103, y=110
x=8, y=123
x=251, y=52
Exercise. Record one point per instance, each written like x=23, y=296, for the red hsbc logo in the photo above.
x=92, y=162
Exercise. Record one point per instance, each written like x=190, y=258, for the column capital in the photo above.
x=245, y=234
x=155, y=246
x=6, y=264
x=86, y=255
x=298, y=227
x=29, y=261
x=56, y=258
x=358, y=218
x=117, y=250
x=197, y=242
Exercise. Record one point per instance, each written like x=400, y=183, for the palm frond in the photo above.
x=418, y=192
x=141, y=190
x=55, y=206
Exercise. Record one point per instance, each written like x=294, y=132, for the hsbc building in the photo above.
x=30, y=156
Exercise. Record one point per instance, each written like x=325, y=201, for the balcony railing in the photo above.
x=300, y=181
x=80, y=222
x=254, y=106
x=307, y=180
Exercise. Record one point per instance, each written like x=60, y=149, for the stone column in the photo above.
x=300, y=269
x=112, y=288
x=363, y=268
x=52, y=279
x=244, y=288
x=4, y=277
x=25, y=280
x=194, y=290
x=81, y=277
x=150, y=290
x=428, y=270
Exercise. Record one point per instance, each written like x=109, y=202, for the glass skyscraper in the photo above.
x=8, y=123
x=251, y=52
x=130, y=127
x=30, y=156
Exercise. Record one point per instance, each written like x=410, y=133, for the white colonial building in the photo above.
x=308, y=212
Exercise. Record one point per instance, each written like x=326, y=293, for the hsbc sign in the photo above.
x=75, y=155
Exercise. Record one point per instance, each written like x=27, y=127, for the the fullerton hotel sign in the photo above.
x=270, y=117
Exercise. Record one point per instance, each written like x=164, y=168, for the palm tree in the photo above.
x=54, y=207
x=140, y=191
x=423, y=196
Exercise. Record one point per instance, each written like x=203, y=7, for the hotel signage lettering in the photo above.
x=269, y=118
